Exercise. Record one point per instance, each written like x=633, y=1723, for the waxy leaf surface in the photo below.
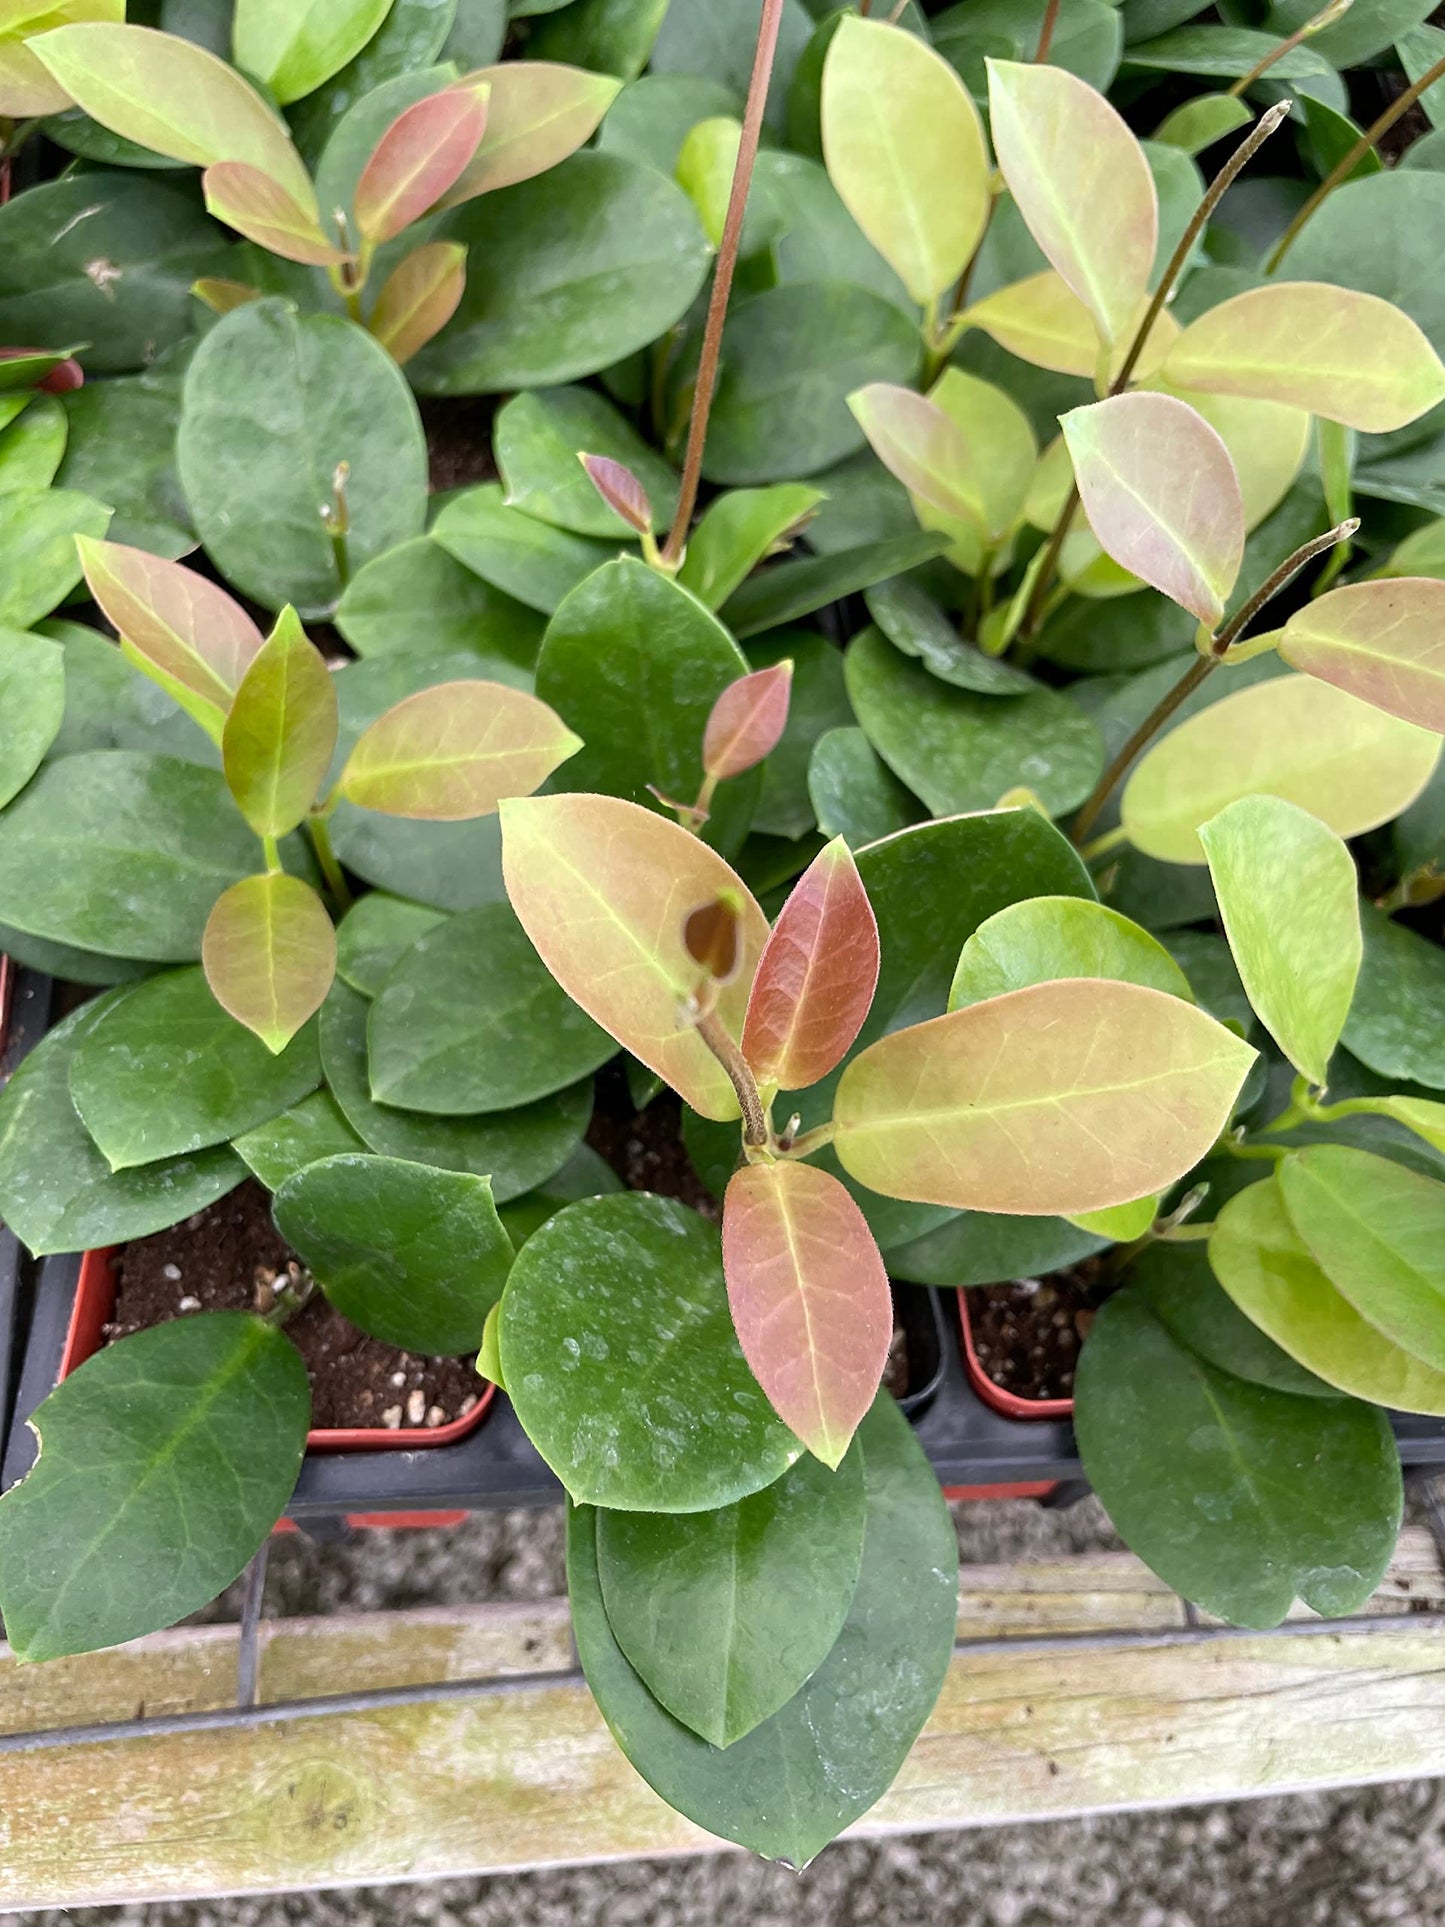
x=1287, y=894
x=1381, y=641
x=454, y=751
x=1043, y=938
x=603, y=888
x=747, y=720
x=538, y=112
x=810, y=1299
x=419, y=157
x=1161, y=495
x=269, y=954
x=293, y=45
x=736, y=532
x=537, y=439
x=315, y=1128
x=281, y=732
x=1061, y=1098
x=418, y=298
x=264, y=211
x=1397, y=1021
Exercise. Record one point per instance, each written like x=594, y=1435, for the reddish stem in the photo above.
x=1046, y=32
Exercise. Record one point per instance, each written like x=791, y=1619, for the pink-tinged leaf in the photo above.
x=538, y=112
x=420, y=156
x=809, y=1296
x=418, y=298
x=816, y=977
x=1082, y=184
x=604, y=888
x=269, y=953
x=747, y=720
x=185, y=632
x=1347, y=356
x=221, y=295
x=266, y=213
x=1161, y=495
x=1381, y=641
x=1061, y=1098
x=1042, y=320
x=924, y=447
x=712, y=936
x=454, y=751
x=281, y=732
x=620, y=490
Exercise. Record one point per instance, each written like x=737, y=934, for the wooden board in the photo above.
x=1068, y=1721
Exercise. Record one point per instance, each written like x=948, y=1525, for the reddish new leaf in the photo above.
x=1381, y=641
x=454, y=751
x=418, y=298
x=816, y=976
x=809, y=1296
x=747, y=720
x=620, y=490
x=269, y=954
x=268, y=213
x=421, y=155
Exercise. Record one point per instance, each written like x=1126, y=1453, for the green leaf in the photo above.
x=121, y=852
x=796, y=589
x=622, y=1365
x=517, y=1150
x=528, y=559
x=537, y=438
x=273, y=402
x=1381, y=236
x=714, y=39
x=725, y=1615
x=606, y=36
x=1239, y=1497
x=1200, y=122
x=566, y=274
x=819, y=703
x=32, y=706
x=1086, y=40
x=792, y=1784
x=269, y=953
x=374, y=936
x=408, y=40
x=293, y=45
x=904, y=148
x=167, y=1071
x=471, y=1020
x=737, y=531
x=1293, y=737
x=1396, y=1023
x=1222, y=53
x=354, y=140
x=281, y=731
x=538, y=113
x=1187, y=1299
x=164, y=1463
x=652, y=116
x=915, y=624
x=57, y=1192
x=38, y=561
x=961, y=751
x=1377, y=1231
x=853, y=793
x=1380, y=641
x=1042, y=938
x=310, y=1130
x=985, y=1248
x=414, y=1255
x=121, y=448
x=31, y=448
x=1287, y=896
x=1266, y=1268
x=584, y=1175
x=419, y=598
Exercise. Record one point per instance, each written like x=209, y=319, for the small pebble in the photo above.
x=172, y=1272
x=416, y=1406
x=468, y=1404
x=436, y=1416
x=398, y=1379
x=391, y=1418
x=188, y=1303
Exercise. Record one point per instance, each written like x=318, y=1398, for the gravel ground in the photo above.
x=1352, y=1859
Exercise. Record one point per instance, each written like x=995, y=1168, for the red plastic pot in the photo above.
x=1007, y=1405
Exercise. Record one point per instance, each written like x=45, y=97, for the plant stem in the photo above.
x=1277, y=579
x=727, y=1053
x=1301, y=33
x=810, y=1141
x=317, y=830
x=1046, y=32
x=722, y=279
x=272, y=853
x=1346, y=166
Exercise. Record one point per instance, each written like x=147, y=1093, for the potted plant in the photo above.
x=1020, y=932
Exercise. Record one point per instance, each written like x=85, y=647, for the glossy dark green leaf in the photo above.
x=151, y=240
x=566, y=273
x=1086, y=38
x=167, y=1071
x=164, y=1463
x=792, y=1784
x=1396, y=1023
x=517, y=1150
x=528, y=559
x=1222, y=53
x=1179, y=1282
x=273, y=401
x=853, y=792
x=791, y=357
x=1240, y=1497
x=32, y=705
x=651, y=118
x=1114, y=637
x=820, y=241
x=414, y=1255
x=117, y=851
x=714, y=39
x=1355, y=38
x=584, y=1175
x=725, y=1615
x=312, y=1129
x=984, y=1248
x=603, y=36
x=620, y=1359
x=1382, y=236
x=818, y=703
x=418, y=597
x=39, y=565
x=915, y=624
x=470, y=1019
x=537, y=438
x=791, y=590
x=110, y=704
x=960, y=751
x=454, y=866
x=375, y=934
x=634, y=664
x=121, y=449
x=63, y=960
x=57, y=1193
x=1205, y=959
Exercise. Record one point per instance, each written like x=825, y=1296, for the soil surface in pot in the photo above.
x=227, y=1258
x=1027, y=1331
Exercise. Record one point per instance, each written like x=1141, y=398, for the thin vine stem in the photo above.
x=1326, y=17
x=1046, y=32
x=331, y=870
x=1348, y=162
x=713, y=1033
x=722, y=280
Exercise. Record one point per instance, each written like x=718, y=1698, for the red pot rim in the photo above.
x=993, y=1394
x=95, y=1301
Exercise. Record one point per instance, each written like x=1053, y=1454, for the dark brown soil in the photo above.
x=645, y=1148
x=459, y=441
x=228, y=1258
x=1027, y=1332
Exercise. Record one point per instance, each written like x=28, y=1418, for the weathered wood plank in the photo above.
x=531, y=1777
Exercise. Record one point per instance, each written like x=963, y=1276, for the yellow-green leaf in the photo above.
x=925, y=448
x=604, y=888
x=1121, y=1222
x=1043, y=321
x=291, y=46
x=1001, y=446
x=455, y=750
x=706, y=163
x=281, y=732
x=1289, y=899
x=1345, y=762
x=418, y=298
x=904, y=148
x=267, y=213
x=27, y=91
x=1082, y=184
x=1348, y=356
x=538, y=112
x=1061, y=1098
x=1161, y=495
x=1267, y=442
x=1381, y=641
x=269, y=954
